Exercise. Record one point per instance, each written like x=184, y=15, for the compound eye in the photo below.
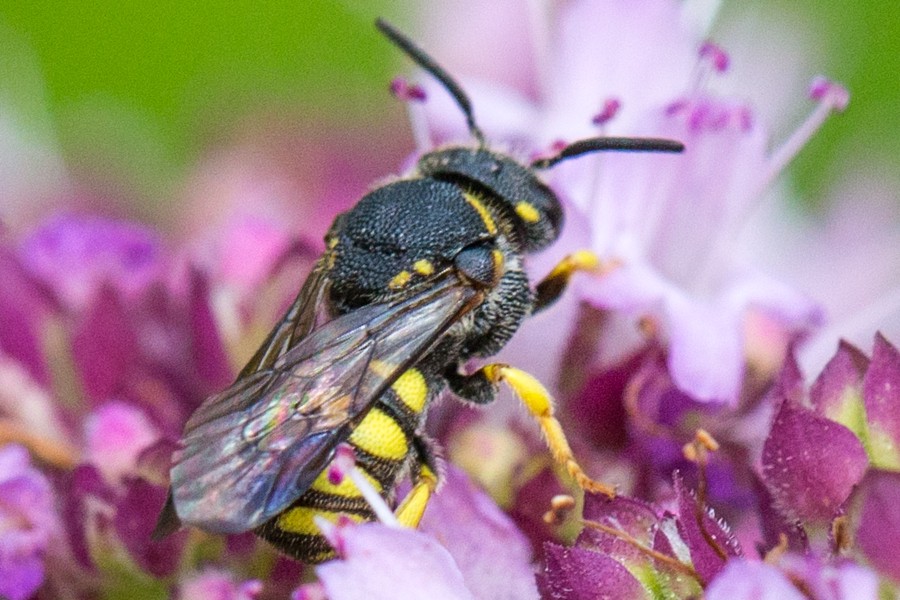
x=481, y=264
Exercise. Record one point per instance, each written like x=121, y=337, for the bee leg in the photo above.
x=410, y=511
x=480, y=387
x=551, y=287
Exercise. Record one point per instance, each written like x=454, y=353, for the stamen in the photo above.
x=344, y=461
x=832, y=97
x=713, y=60
x=52, y=452
x=554, y=149
x=333, y=531
x=715, y=56
x=344, y=465
x=823, y=89
x=841, y=538
x=414, y=97
x=610, y=108
x=560, y=507
x=773, y=556
x=403, y=90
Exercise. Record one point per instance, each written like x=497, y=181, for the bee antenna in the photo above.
x=426, y=62
x=601, y=144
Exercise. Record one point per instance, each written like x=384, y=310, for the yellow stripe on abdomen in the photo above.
x=381, y=436
x=412, y=389
x=300, y=521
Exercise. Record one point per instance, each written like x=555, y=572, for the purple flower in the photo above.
x=629, y=547
x=75, y=256
x=28, y=522
x=811, y=463
x=814, y=457
x=831, y=579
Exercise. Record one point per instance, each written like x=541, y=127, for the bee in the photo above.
x=423, y=274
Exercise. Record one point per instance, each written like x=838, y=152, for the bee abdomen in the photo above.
x=382, y=443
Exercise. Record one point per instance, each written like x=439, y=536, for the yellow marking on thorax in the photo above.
x=346, y=488
x=423, y=267
x=412, y=389
x=380, y=435
x=498, y=264
x=527, y=212
x=483, y=212
x=399, y=280
x=300, y=520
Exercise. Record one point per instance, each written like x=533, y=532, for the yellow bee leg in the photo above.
x=410, y=511
x=539, y=403
x=550, y=288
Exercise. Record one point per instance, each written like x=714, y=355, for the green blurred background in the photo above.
x=141, y=88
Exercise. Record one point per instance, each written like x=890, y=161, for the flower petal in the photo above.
x=837, y=391
x=386, y=563
x=881, y=390
x=706, y=349
x=810, y=463
x=700, y=529
x=751, y=580
x=134, y=522
x=579, y=574
x=482, y=540
x=634, y=517
x=875, y=515
x=116, y=434
x=21, y=310
x=75, y=256
x=773, y=523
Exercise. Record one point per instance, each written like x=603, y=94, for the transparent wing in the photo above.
x=296, y=324
x=250, y=451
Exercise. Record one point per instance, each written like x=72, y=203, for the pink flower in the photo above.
x=673, y=223
x=116, y=434
x=213, y=584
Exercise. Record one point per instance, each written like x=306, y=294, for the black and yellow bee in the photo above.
x=423, y=274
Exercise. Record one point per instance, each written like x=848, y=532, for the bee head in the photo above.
x=533, y=206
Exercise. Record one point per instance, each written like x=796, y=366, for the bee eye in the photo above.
x=480, y=263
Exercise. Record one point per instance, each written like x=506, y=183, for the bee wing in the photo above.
x=296, y=324
x=250, y=451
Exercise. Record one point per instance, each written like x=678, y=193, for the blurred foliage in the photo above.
x=861, y=49
x=141, y=86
